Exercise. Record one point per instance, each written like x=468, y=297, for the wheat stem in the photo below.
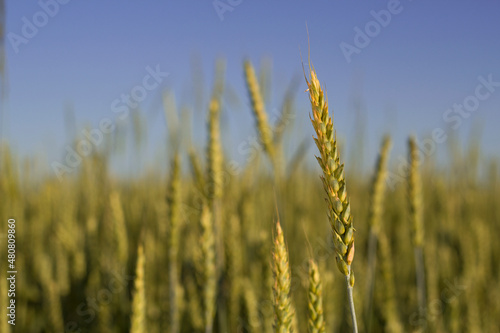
x=349, y=283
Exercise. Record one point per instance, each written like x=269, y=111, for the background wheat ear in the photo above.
x=174, y=197
x=339, y=209
x=208, y=267
x=377, y=194
x=138, y=324
x=121, y=234
x=283, y=309
x=416, y=219
x=316, y=322
x=259, y=110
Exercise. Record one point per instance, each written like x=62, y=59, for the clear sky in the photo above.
x=408, y=70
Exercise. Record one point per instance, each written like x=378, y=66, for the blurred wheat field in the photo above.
x=198, y=249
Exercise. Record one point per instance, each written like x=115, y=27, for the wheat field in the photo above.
x=268, y=247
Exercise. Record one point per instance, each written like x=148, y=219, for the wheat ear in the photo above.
x=259, y=111
x=174, y=202
x=55, y=309
x=316, y=320
x=207, y=243
x=283, y=308
x=121, y=236
x=197, y=171
x=139, y=298
x=415, y=204
x=390, y=310
x=214, y=151
x=376, y=210
x=215, y=181
x=339, y=209
x=252, y=307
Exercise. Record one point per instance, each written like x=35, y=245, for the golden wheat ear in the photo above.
x=138, y=324
x=258, y=109
x=284, y=312
x=208, y=273
x=334, y=184
x=416, y=218
x=316, y=322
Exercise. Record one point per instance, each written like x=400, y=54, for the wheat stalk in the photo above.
x=339, y=209
x=194, y=304
x=52, y=295
x=390, y=310
x=234, y=266
x=197, y=171
x=252, y=307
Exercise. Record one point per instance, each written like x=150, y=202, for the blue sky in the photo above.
x=426, y=58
